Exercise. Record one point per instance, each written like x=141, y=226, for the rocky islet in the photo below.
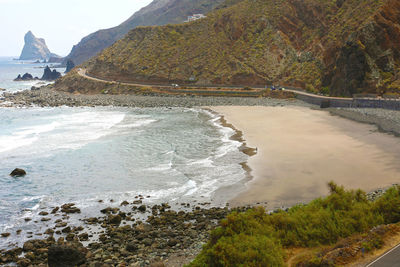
x=35, y=48
x=48, y=75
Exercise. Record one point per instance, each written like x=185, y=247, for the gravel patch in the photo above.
x=386, y=120
x=47, y=97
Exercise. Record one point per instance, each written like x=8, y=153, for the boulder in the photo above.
x=63, y=256
x=70, y=208
x=84, y=237
x=18, y=172
x=142, y=208
x=132, y=247
x=5, y=234
x=114, y=219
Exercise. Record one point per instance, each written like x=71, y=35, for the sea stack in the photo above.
x=70, y=66
x=49, y=75
x=35, y=48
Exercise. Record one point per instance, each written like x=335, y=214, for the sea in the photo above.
x=97, y=157
x=10, y=68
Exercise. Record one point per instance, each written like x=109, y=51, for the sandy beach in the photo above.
x=299, y=150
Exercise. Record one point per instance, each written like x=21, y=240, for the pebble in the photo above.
x=45, y=96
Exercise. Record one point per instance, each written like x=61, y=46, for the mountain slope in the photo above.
x=159, y=12
x=338, y=47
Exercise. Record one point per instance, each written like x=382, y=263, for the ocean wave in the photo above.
x=59, y=132
x=139, y=123
x=228, y=144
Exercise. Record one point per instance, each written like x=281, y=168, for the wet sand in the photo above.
x=299, y=150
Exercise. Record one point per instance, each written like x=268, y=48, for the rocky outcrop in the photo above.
x=35, y=48
x=159, y=12
x=349, y=78
x=49, y=75
x=70, y=66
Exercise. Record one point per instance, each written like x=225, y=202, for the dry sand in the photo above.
x=299, y=150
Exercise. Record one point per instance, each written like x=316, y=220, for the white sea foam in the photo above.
x=207, y=162
x=24, y=136
x=229, y=145
x=139, y=123
x=161, y=167
x=70, y=131
x=8, y=143
x=175, y=192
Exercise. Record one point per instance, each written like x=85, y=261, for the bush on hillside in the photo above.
x=255, y=238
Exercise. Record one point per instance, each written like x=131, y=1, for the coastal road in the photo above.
x=389, y=259
x=82, y=72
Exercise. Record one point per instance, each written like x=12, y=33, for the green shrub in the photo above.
x=256, y=238
x=388, y=206
x=242, y=250
x=325, y=90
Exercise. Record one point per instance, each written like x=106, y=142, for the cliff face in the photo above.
x=35, y=48
x=159, y=12
x=337, y=47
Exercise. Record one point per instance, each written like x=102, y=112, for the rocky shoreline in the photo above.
x=145, y=235
x=45, y=97
x=156, y=235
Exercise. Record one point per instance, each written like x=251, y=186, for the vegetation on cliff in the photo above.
x=255, y=238
x=339, y=47
x=159, y=12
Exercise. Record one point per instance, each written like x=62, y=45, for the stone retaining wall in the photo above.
x=377, y=103
x=350, y=102
x=324, y=102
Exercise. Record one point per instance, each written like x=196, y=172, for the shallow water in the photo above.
x=84, y=155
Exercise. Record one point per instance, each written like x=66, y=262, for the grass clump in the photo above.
x=256, y=238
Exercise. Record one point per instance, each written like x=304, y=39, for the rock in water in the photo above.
x=35, y=48
x=63, y=256
x=49, y=75
x=19, y=78
x=18, y=172
x=25, y=77
x=70, y=66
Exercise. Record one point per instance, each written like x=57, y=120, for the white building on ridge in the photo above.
x=195, y=17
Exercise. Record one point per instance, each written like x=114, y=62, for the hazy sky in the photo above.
x=62, y=23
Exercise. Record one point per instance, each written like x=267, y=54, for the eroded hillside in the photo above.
x=341, y=47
